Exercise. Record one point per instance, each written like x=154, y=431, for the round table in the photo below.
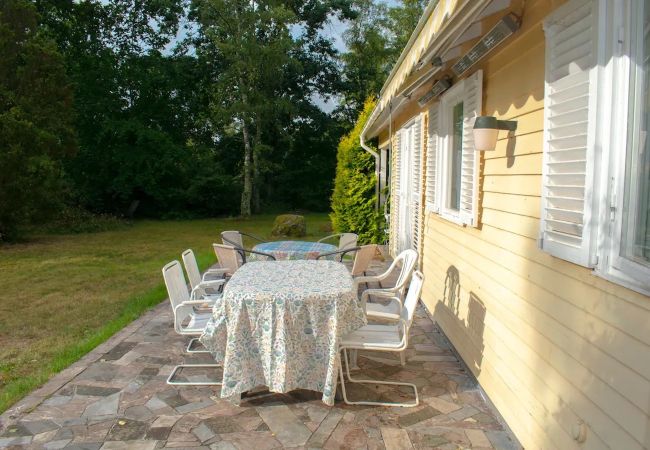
x=282, y=250
x=279, y=324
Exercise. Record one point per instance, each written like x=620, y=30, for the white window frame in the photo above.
x=448, y=101
x=611, y=121
x=622, y=41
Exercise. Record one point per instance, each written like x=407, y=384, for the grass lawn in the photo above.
x=61, y=296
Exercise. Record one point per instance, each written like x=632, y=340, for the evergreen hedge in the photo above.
x=354, y=199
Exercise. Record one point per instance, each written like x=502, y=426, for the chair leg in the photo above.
x=402, y=358
x=391, y=383
x=189, y=347
x=171, y=381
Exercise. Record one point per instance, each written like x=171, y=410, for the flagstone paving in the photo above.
x=117, y=398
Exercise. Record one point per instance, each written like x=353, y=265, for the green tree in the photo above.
x=273, y=61
x=36, y=131
x=354, y=198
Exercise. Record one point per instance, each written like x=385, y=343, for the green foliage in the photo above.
x=77, y=220
x=36, y=131
x=374, y=40
x=354, y=199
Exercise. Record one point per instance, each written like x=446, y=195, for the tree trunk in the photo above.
x=256, y=166
x=248, y=181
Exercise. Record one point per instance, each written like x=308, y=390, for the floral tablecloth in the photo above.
x=279, y=324
x=292, y=250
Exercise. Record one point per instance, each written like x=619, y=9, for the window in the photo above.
x=596, y=192
x=452, y=162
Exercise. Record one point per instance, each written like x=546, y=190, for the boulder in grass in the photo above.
x=290, y=225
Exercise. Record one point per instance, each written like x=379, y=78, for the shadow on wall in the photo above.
x=465, y=317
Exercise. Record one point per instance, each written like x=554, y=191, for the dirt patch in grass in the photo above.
x=61, y=296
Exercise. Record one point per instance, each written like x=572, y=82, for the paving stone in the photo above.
x=323, y=432
x=119, y=351
x=165, y=421
x=173, y=399
x=126, y=430
x=477, y=438
x=52, y=445
x=155, y=403
x=16, y=430
x=153, y=360
x=463, y=413
x=95, y=391
x=203, y=432
x=138, y=412
x=100, y=371
x=396, y=439
x=57, y=400
x=222, y=445
x=17, y=440
x=433, y=358
x=501, y=440
x=418, y=416
x=84, y=446
x=441, y=405
x=104, y=407
x=158, y=433
x=195, y=406
x=222, y=424
x=129, y=445
x=284, y=424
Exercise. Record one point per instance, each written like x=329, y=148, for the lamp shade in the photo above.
x=485, y=139
x=486, y=131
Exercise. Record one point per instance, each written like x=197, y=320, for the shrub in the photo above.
x=354, y=198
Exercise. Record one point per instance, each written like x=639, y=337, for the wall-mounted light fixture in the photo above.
x=486, y=131
x=504, y=28
x=437, y=89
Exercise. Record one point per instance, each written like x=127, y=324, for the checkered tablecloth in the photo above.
x=292, y=250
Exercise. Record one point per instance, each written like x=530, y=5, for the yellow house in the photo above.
x=536, y=252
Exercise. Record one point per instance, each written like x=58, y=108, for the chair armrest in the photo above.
x=252, y=236
x=341, y=252
x=216, y=271
x=212, y=283
x=329, y=237
x=245, y=250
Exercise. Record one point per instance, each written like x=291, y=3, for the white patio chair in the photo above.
x=346, y=240
x=188, y=321
x=362, y=257
x=236, y=239
x=228, y=257
x=200, y=284
x=395, y=294
x=386, y=338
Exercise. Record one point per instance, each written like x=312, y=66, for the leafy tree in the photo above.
x=270, y=71
x=354, y=198
x=36, y=131
x=374, y=40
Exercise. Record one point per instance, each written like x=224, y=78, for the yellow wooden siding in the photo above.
x=551, y=343
x=556, y=344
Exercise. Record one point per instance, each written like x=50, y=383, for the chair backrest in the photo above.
x=348, y=240
x=191, y=267
x=175, y=283
x=232, y=238
x=227, y=256
x=412, y=297
x=362, y=259
x=408, y=259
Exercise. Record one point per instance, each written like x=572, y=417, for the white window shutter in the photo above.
x=396, y=190
x=569, y=131
x=472, y=106
x=433, y=178
x=416, y=180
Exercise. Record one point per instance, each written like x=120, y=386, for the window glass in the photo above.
x=636, y=213
x=456, y=157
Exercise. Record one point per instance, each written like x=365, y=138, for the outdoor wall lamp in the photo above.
x=486, y=131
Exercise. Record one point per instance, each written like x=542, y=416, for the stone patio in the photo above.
x=117, y=398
